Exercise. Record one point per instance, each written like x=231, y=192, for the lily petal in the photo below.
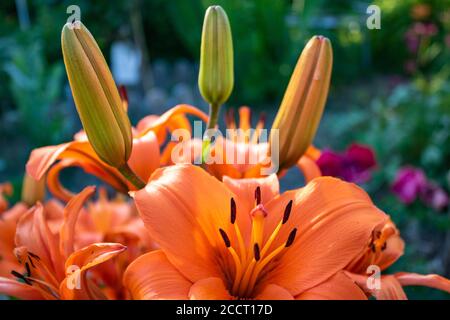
x=338, y=287
x=79, y=263
x=431, y=280
x=152, y=277
x=159, y=125
x=309, y=168
x=75, y=153
x=209, y=289
x=13, y=288
x=34, y=234
x=274, y=292
x=335, y=221
x=71, y=212
x=145, y=155
x=183, y=208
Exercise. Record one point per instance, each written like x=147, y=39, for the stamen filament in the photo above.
x=271, y=239
x=238, y=266
x=242, y=251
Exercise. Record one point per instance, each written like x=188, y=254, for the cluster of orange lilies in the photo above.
x=185, y=231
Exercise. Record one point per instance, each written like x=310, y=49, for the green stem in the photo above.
x=213, y=115
x=131, y=176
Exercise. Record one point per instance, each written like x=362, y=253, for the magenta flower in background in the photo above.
x=354, y=165
x=411, y=184
x=408, y=184
x=435, y=197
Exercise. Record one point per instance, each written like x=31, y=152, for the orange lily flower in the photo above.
x=145, y=157
x=116, y=221
x=385, y=247
x=49, y=258
x=245, y=148
x=241, y=239
x=248, y=148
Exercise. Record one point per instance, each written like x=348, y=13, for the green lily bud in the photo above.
x=303, y=103
x=96, y=96
x=216, y=76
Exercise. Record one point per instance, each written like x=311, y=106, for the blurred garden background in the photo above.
x=390, y=88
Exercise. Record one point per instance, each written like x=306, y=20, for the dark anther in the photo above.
x=27, y=266
x=384, y=246
x=287, y=212
x=225, y=238
x=257, y=253
x=21, y=277
x=233, y=211
x=31, y=261
x=291, y=238
x=34, y=255
x=258, y=195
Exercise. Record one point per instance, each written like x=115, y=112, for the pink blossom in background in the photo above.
x=435, y=197
x=354, y=165
x=411, y=183
x=408, y=184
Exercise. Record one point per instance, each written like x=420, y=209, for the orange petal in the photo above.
x=34, y=234
x=338, y=287
x=209, y=289
x=183, y=208
x=153, y=277
x=274, y=292
x=335, y=221
x=145, y=155
x=309, y=168
x=71, y=212
x=54, y=185
x=159, y=124
x=19, y=290
x=391, y=289
x=77, y=266
x=431, y=280
x=75, y=153
x=42, y=158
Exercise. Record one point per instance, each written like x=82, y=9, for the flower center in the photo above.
x=251, y=259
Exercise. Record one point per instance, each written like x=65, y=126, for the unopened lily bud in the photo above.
x=304, y=100
x=96, y=96
x=216, y=75
x=32, y=190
